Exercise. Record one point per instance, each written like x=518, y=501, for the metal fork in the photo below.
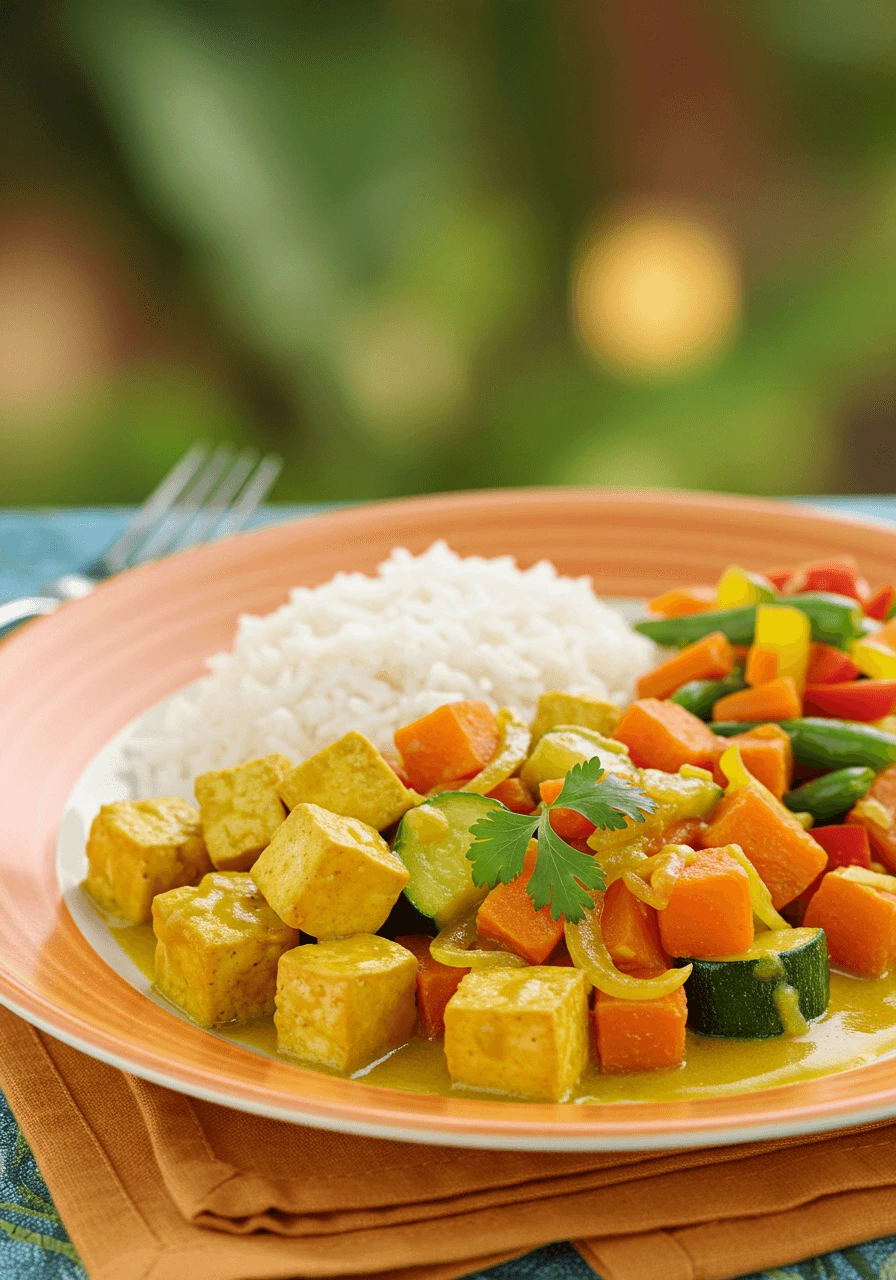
x=208, y=494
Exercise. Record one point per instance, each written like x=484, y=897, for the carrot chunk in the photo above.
x=873, y=817
x=453, y=742
x=767, y=753
x=777, y=700
x=568, y=824
x=859, y=923
x=640, y=1035
x=631, y=931
x=436, y=984
x=762, y=665
x=708, y=659
x=663, y=735
x=710, y=912
x=514, y=794
x=508, y=915
x=786, y=856
x=683, y=600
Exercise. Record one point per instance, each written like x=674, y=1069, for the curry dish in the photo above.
x=690, y=894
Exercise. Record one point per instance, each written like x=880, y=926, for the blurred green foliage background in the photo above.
x=416, y=247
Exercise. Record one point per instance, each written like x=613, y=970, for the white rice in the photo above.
x=375, y=653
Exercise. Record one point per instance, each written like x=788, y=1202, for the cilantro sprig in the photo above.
x=562, y=875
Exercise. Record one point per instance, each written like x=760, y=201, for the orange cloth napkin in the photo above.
x=153, y=1185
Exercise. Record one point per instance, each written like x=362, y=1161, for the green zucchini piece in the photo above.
x=832, y=794
x=751, y=996
x=700, y=696
x=556, y=751
x=432, y=842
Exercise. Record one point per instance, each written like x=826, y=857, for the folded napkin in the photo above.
x=152, y=1185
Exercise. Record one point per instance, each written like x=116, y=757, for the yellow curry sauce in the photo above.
x=858, y=1027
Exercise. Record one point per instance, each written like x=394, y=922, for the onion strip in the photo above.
x=589, y=953
x=451, y=947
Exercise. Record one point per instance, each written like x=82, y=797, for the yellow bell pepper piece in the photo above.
x=873, y=659
x=737, y=587
x=786, y=632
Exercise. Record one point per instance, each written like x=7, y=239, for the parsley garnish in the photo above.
x=562, y=875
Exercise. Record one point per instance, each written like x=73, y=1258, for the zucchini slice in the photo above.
x=773, y=989
x=432, y=842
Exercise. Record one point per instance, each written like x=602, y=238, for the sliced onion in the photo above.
x=451, y=947
x=589, y=953
x=513, y=747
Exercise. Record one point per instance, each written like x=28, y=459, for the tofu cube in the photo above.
x=328, y=875
x=556, y=708
x=344, y=1004
x=520, y=1031
x=350, y=778
x=241, y=809
x=217, y=948
x=138, y=848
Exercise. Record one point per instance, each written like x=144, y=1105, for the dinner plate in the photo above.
x=72, y=683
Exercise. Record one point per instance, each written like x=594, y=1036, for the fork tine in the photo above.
x=207, y=517
x=167, y=532
x=154, y=509
x=254, y=493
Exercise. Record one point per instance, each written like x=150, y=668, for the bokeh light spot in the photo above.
x=656, y=292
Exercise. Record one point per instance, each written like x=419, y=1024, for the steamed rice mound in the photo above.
x=374, y=653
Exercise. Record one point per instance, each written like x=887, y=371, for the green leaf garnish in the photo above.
x=562, y=875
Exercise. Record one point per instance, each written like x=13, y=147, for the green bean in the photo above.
x=823, y=743
x=835, y=620
x=700, y=696
x=832, y=794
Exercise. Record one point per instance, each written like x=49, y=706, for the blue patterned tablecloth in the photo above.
x=37, y=545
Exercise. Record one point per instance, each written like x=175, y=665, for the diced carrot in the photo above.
x=838, y=576
x=785, y=855
x=436, y=984
x=640, y=1035
x=859, y=923
x=853, y=700
x=630, y=930
x=568, y=824
x=687, y=831
x=828, y=665
x=508, y=915
x=663, y=735
x=762, y=665
x=882, y=838
x=710, y=912
x=777, y=700
x=454, y=741
x=708, y=659
x=767, y=753
x=514, y=794
x=880, y=606
x=741, y=652
x=683, y=600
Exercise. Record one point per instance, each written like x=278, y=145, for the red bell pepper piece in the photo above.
x=838, y=576
x=779, y=578
x=853, y=700
x=844, y=850
x=846, y=846
x=880, y=606
x=828, y=665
